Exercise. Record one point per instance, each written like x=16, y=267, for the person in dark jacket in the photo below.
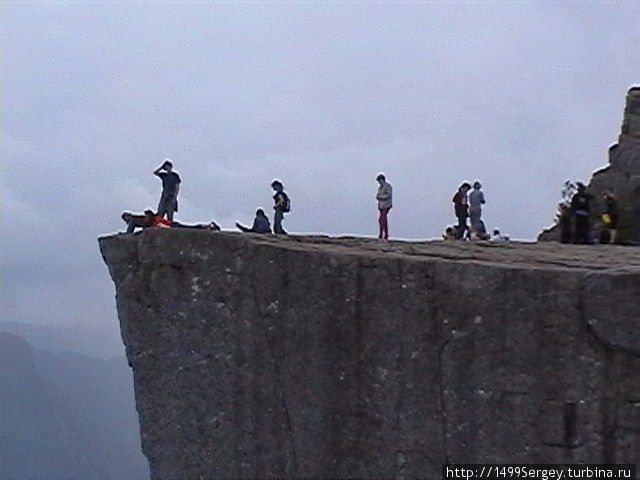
x=260, y=224
x=282, y=205
x=564, y=220
x=581, y=208
x=461, y=209
x=170, y=186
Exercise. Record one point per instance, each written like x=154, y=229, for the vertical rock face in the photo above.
x=258, y=357
x=621, y=176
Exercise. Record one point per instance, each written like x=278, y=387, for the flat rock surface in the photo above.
x=308, y=356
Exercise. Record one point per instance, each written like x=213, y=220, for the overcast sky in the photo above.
x=95, y=96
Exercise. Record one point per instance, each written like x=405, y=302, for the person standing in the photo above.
x=609, y=216
x=581, y=208
x=384, y=198
x=461, y=209
x=476, y=200
x=282, y=206
x=170, y=186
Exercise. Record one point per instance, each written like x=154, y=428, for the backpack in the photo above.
x=286, y=203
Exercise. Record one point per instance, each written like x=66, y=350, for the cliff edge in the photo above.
x=258, y=356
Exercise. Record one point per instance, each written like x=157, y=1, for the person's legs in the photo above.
x=277, y=222
x=383, y=223
x=582, y=229
x=385, y=227
x=131, y=226
x=462, y=226
x=162, y=206
x=475, y=214
x=170, y=208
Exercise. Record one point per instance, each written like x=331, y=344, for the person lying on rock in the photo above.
x=213, y=226
x=260, y=224
x=152, y=220
x=148, y=220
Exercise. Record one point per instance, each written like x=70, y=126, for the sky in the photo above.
x=323, y=96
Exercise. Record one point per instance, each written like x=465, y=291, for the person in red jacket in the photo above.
x=461, y=208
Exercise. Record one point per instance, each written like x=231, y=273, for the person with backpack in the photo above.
x=384, y=198
x=461, y=209
x=476, y=200
x=282, y=206
x=170, y=186
x=260, y=224
x=581, y=208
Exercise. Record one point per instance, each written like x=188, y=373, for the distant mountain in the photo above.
x=93, y=340
x=66, y=416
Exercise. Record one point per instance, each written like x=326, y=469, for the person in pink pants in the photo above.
x=384, y=196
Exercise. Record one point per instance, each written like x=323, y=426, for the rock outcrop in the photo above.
x=621, y=176
x=262, y=357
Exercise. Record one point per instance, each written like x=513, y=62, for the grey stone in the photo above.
x=621, y=176
x=263, y=357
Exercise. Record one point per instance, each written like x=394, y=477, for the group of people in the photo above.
x=575, y=218
x=168, y=206
x=467, y=204
x=467, y=201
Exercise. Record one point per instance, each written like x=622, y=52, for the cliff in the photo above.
x=621, y=177
x=261, y=357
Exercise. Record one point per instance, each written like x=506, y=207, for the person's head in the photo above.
x=448, y=230
x=381, y=179
x=496, y=232
x=167, y=165
x=260, y=213
x=465, y=187
x=149, y=213
x=476, y=185
x=126, y=216
x=277, y=185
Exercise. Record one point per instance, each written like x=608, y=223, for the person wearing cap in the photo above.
x=282, y=205
x=384, y=198
x=581, y=208
x=170, y=186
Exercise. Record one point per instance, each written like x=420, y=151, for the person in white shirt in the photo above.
x=384, y=198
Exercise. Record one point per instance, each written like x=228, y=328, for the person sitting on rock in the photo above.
x=449, y=234
x=478, y=231
x=498, y=237
x=260, y=224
